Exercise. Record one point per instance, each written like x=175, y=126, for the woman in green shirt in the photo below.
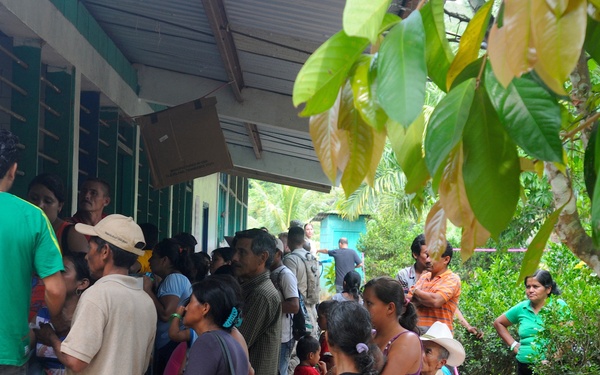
x=539, y=288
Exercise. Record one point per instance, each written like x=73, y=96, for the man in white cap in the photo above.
x=114, y=324
x=440, y=349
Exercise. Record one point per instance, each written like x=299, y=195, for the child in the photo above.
x=322, y=311
x=307, y=350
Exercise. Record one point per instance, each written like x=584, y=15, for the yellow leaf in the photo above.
x=517, y=16
x=379, y=138
x=558, y=40
x=497, y=54
x=470, y=43
x=359, y=140
x=553, y=83
x=435, y=231
x=453, y=195
x=558, y=6
x=527, y=165
x=325, y=135
x=539, y=168
x=473, y=235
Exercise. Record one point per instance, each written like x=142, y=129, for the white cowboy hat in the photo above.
x=441, y=335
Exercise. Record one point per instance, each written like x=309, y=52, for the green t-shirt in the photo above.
x=530, y=324
x=27, y=246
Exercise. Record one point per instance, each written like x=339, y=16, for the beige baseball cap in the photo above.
x=118, y=230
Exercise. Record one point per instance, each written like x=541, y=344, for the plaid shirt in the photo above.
x=446, y=285
x=261, y=326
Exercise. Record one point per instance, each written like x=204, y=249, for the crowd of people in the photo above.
x=97, y=293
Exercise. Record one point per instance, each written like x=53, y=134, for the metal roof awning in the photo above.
x=247, y=53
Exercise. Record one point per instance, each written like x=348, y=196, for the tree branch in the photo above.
x=458, y=16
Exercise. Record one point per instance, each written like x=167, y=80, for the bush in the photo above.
x=573, y=347
x=491, y=292
x=386, y=245
x=487, y=295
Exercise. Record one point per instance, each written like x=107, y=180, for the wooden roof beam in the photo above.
x=254, y=136
x=217, y=18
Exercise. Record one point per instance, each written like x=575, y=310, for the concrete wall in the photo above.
x=206, y=195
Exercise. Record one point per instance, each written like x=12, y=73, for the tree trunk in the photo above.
x=568, y=228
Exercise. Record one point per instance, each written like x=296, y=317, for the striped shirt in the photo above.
x=446, y=285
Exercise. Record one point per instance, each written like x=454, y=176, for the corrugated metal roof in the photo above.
x=171, y=35
x=272, y=38
x=275, y=37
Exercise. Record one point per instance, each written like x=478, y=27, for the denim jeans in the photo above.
x=284, y=356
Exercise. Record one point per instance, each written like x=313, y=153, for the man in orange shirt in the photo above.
x=436, y=293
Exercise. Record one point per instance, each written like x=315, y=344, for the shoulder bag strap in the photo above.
x=226, y=353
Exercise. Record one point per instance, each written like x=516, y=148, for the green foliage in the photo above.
x=535, y=205
x=573, y=348
x=386, y=244
x=329, y=276
x=487, y=115
x=491, y=167
x=489, y=291
x=446, y=124
x=437, y=52
x=402, y=71
x=274, y=206
x=488, y=294
x=530, y=114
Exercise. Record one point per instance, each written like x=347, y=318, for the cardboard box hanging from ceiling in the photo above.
x=184, y=142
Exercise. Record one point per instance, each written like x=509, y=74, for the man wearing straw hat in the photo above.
x=440, y=349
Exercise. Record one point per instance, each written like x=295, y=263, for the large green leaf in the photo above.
x=529, y=113
x=536, y=247
x=321, y=77
x=446, y=124
x=408, y=148
x=359, y=142
x=470, y=42
x=491, y=166
x=402, y=72
x=437, y=53
x=592, y=39
x=363, y=84
x=363, y=18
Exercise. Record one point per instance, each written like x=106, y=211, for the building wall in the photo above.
x=205, y=205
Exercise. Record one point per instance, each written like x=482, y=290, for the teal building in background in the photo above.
x=334, y=227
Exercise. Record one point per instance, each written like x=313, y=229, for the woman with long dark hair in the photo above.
x=172, y=264
x=395, y=319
